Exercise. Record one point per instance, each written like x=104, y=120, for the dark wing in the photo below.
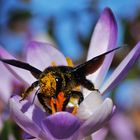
x=92, y=65
x=36, y=72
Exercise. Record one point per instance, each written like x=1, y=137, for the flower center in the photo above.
x=57, y=104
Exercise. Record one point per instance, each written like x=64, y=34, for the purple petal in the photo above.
x=122, y=127
x=25, y=116
x=27, y=136
x=100, y=134
x=103, y=39
x=98, y=118
x=23, y=75
x=122, y=70
x=5, y=83
x=61, y=125
x=41, y=55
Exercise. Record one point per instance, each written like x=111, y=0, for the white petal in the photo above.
x=99, y=117
x=41, y=55
x=104, y=39
x=89, y=105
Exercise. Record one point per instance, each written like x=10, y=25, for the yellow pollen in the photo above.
x=53, y=63
x=78, y=88
x=73, y=101
x=75, y=109
x=48, y=84
x=69, y=62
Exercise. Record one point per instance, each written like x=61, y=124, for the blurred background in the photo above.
x=69, y=25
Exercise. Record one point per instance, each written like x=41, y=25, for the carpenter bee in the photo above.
x=56, y=79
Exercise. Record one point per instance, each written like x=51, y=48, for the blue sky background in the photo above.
x=71, y=18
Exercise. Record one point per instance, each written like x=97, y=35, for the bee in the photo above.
x=56, y=79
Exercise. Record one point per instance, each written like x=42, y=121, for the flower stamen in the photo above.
x=69, y=62
x=57, y=104
x=52, y=104
x=75, y=109
x=60, y=101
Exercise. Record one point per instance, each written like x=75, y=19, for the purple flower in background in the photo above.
x=124, y=128
x=93, y=112
x=120, y=126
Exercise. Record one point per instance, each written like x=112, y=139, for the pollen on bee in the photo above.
x=48, y=84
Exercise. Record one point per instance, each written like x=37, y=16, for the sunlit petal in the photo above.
x=89, y=105
x=98, y=118
x=103, y=39
x=41, y=55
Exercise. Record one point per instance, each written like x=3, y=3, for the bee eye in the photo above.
x=58, y=80
x=58, y=83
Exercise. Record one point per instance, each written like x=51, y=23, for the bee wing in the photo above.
x=35, y=72
x=92, y=65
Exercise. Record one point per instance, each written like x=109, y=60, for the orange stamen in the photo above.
x=52, y=102
x=60, y=100
x=57, y=104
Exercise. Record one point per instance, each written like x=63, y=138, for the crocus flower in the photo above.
x=93, y=112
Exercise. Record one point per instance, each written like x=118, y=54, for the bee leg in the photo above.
x=89, y=85
x=67, y=97
x=77, y=94
x=29, y=90
x=43, y=100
